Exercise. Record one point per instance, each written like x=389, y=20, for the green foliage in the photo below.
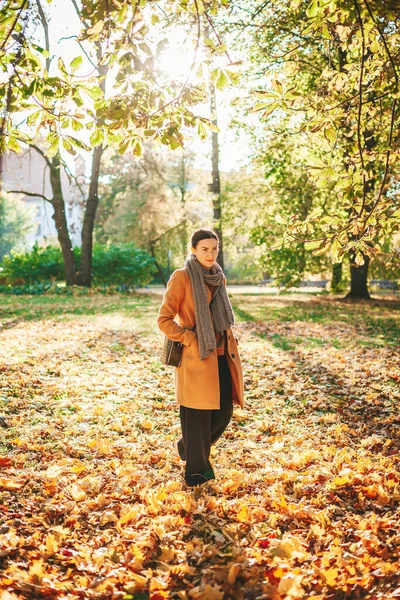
x=244, y=270
x=59, y=94
x=122, y=264
x=265, y=201
x=67, y=104
x=34, y=289
x=332, y=78
x=288, y=264
x=39, y=265
x=113, y=265
x=153, y=202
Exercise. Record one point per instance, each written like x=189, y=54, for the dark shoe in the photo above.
x=199, y=478
x=181, y=456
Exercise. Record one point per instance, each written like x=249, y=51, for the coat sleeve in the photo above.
x=173, y=298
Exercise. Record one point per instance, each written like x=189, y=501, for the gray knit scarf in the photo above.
x=220, y=305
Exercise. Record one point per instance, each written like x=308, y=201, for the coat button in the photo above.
x=233, y=356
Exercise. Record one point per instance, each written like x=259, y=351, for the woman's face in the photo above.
x=206, y=252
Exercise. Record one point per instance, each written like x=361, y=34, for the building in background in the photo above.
x=28, y=173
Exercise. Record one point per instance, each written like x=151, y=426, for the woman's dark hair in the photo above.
x=202, y=234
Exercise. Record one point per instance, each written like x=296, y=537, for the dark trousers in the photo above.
x=201, y=428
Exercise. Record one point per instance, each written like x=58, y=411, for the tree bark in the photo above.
x=85, y=267
x=183, y=181
x=359, y=283
x=158, y=266
x=61, y=221
x=337, y=274
x=216, y=182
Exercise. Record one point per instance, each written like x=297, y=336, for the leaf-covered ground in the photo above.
x=92, y=500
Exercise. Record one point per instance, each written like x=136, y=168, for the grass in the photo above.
x=66, y=307
x=378, y=322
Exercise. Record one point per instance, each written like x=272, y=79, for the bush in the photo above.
x=39, y=265
x=120, y=265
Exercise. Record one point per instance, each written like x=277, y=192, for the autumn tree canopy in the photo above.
x=324, y=72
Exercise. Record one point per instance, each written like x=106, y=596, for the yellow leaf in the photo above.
x=375, y=47
x=108, y=517
x=51, y=544
x=289, y=547
x=102, y=446
x=331, y=576
x=77, y=493
x=167, y=554
x=78, y=468
x=243, y=514
x=128, y=513
x=281, y=502
x=36, y=569
x=96, y=29
x=279, y=573
x=339, y=481
x=54, y=471
x=147, y=425
x=351, y=569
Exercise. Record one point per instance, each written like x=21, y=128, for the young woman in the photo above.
x=197, y=312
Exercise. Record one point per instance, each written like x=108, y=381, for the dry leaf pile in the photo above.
x=92, y=500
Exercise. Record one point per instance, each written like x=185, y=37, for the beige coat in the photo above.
x=196, y=381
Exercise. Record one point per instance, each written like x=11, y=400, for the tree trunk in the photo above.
x=216, y=183
x=158, y=266
x=183, y=181
x=337, y=274
x=358, y=275
x=85, y=267
x=359, y=284
x=61, y=221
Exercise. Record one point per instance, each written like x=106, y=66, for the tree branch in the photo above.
x=46, y=31
x=33, y=194
x=78, y=12
x=46, y=158
x=72, y=177
x=157, y=239
x=217, y=35
x=360, y=93
x=393, y=115
x=21, y=8
x=371, y=14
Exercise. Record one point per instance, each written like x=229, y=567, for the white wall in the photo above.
x=29, y=172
